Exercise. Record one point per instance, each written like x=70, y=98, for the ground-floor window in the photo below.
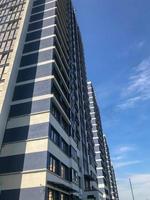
x=55, y=195
x=91, y=197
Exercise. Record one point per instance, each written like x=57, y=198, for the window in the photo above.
x=74, y=154
x=27, y=74
x=34, y=46
x=20, y=109
x=43, y=7
x=55, y=136
x=27, y=132
x=38, y=9
x=53, y=195
x=87, y=184
x=64, y=146
x=13, y=8
x=30, y=73
x=97, y=148
x=29, y=107
x=41, y=24
x=55, y=112
x=40, y=16
x=23, y=91
x=36, y=57
x=65, y=126
x=64, y=172
x=59, y=141
x=38, y=2
x=98, y=156
x=31, y=47
x=75, y=178
x=59, y=96
x=54, y=165
x=40, y=33
x=59, y=168
x=64, y=197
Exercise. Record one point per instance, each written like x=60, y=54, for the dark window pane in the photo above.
x=36, y=57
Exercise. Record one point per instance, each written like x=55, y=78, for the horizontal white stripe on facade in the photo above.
x=101, y=186
x=28, y=120
x=95, y=138
x=98, y=160
x=99, y=168
x=99, y=177
x=18, y=181
x=43, y=19
x=39, y=50
x=39, y=29
x=95, y=131
x=47, y=96
x=44, y=3
x=89, y=82
x=94, y=124
x=39, y=39
x=43, y=11
x=38, y=64
x=24, y=147
x=90, y=92
x=44, y=78
x=92, y=113
x=92, y=107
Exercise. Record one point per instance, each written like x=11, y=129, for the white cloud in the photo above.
x=117, y=158
x=129, y=103
x=121, y=158
x=126, y=163
x=134, y=47
x=140, y=44
x=141, y=187
x=138, y=88
x=125, y=149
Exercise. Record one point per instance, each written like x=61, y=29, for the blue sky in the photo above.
x=116, y=36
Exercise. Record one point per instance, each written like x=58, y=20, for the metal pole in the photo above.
x=131, y=189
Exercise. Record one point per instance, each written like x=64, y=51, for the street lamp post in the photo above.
x=131, y=189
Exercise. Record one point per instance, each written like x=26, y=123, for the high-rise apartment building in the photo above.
x=112, y=178
x=47, y=150
x=104, y=172
x=115, y=194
